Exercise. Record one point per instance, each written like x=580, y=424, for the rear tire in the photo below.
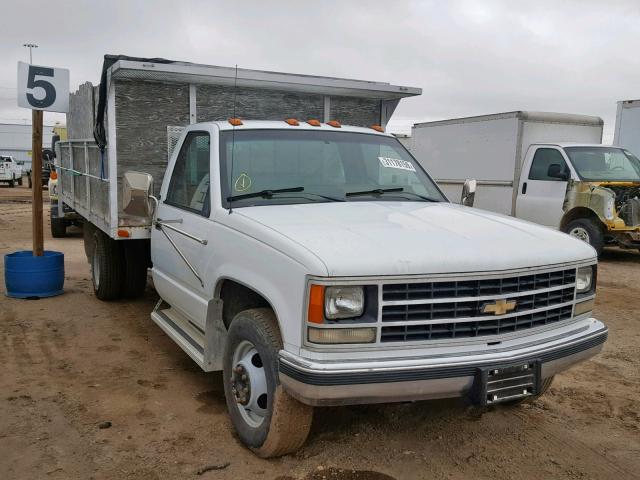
x=107, y=267
x=29, y=181
x=136, y=260
x=588, y=231
x=266, y=418
x=58, y=227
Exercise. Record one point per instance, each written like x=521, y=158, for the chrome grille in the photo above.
x=453, y=309
x=476, y=288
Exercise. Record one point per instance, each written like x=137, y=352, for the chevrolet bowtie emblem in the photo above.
x=499, y=307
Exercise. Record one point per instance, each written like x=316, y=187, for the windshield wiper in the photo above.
x=375, y=191
x=265, y=193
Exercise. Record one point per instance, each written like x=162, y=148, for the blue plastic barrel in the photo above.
x=26, y=276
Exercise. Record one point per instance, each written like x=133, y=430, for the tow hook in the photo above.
x=241, y=385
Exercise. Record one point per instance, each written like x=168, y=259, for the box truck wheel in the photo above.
x=266, y=418
x=107, y=266
x=588, y=231
x=136, y=261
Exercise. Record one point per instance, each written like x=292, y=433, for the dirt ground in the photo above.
x=71, y=362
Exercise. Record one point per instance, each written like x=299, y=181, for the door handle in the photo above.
x=524, y=188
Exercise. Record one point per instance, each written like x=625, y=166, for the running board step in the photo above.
x=183, y=332
x=205, y=347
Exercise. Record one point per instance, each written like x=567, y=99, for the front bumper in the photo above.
x=320, y=383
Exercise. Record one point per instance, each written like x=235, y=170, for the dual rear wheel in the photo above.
x=118, y=268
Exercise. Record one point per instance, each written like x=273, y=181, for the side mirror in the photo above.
x=136, y=189
x=468, y=193
x=556, y=171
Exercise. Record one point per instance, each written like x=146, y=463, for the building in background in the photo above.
x=15, y=140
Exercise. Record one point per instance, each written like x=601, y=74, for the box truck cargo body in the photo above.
x=627, y=130
x=491, y=149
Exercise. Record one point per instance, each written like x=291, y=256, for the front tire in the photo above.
x=588, y=231
x=20, y=181
x=266, y=418
x=107, y=267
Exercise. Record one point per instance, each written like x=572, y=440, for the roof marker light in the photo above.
x=293, y=122
x=377, y=128
x=314, y=122
x=334, y=124
x=236, y=122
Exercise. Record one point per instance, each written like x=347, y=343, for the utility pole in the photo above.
x=30, y=46
x=36, y=172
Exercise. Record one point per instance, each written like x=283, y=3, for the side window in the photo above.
x=541, y=161
x=189, y=186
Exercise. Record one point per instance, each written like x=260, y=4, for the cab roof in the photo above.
x=282, y=125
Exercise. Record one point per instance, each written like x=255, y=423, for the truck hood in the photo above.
x=413, y=238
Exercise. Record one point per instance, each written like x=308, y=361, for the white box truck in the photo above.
x=627, y=130
x=316, y=263
x=548, y=168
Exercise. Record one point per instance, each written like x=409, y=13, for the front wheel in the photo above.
x=20, y=181
x=266, y=418
x=588, y=231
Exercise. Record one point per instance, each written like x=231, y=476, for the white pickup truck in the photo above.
x=313, y=263
x=322, y=266
x=10, y=171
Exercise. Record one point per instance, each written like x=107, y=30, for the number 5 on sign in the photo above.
x=43, y=88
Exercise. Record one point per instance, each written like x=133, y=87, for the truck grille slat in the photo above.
x=556, y=305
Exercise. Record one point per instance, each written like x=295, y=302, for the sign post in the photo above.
x=40, y=88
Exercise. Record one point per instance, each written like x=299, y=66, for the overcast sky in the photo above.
x=469, y=57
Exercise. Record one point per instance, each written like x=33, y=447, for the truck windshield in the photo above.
x=601, y=164
x=321, y=166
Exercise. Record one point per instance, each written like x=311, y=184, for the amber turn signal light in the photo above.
x=123, y=233
x=293, y=122
x=316, y=304
x=377, y=128
x=314, y=123
x=236, y=122
x=334, y=124
x=53, y=175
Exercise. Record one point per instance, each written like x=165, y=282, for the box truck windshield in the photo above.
x=317, y=166
x=600, y=164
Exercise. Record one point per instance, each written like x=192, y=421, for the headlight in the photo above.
x=609, y=208
x=584, y=279
x=343, y=302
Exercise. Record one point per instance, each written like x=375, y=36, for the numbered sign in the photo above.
x=43, y=88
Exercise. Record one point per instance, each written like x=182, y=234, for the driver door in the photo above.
x=541, y=197
x=181, y=233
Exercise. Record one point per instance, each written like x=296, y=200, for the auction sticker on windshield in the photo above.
x=396, y=163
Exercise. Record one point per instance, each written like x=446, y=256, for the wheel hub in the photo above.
x=248, y=384
x=241, y=385
x=580, y=233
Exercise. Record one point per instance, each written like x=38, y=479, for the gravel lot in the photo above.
x=72, y=362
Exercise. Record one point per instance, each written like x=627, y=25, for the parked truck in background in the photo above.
x=548, y=168
x=10, y=171
x=313, y=262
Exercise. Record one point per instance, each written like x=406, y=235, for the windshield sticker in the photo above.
x=243, y=183
x=396, y=163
